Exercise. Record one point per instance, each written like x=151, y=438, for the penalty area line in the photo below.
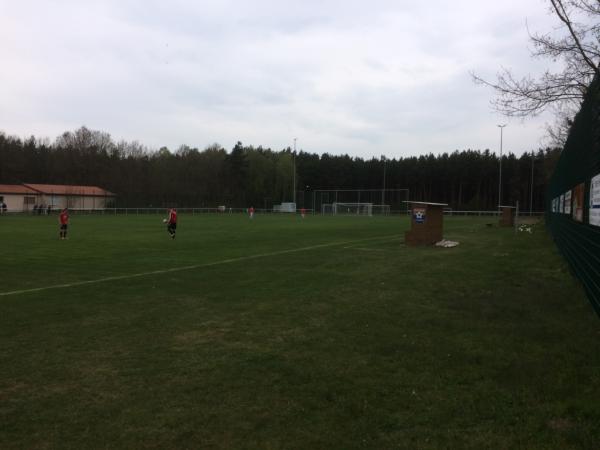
x=191, y=267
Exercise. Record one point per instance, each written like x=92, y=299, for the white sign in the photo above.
x=561, y=204
x=568, y=202
x=595, y=201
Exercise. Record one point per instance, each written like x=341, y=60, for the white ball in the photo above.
x=164, y=220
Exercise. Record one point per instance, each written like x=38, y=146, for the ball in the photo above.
x=164, y=220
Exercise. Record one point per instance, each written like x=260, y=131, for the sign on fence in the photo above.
x=568, y=202
x=578, y=202
x=595, y=201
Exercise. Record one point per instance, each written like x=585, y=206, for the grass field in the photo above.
x=323, y=333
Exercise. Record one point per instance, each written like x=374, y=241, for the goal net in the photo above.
x=348, y=209
x=383, y=210
x=355, y=209
x=383, y=201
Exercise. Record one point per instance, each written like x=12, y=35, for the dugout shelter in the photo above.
x=507, y=215
x=426, y=223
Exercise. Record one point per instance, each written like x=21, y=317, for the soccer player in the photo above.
x=172, y=222
x=302, y=212
x=63, y=220
x=251, y=212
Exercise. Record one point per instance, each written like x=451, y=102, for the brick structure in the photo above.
x=507, y=218
x=427, y=223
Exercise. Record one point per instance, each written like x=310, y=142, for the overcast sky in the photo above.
x=366, y=78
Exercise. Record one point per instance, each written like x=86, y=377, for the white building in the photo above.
x=23, y=197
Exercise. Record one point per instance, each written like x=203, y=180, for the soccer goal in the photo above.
x=354, y=209
x=348, y=209
x=382, y=210
x=382, y=201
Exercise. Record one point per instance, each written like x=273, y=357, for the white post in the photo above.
x=294, y=173
x=500, y=173
x=531, y=190
x=383, y=187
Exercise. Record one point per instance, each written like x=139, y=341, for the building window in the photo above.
x=29, y=200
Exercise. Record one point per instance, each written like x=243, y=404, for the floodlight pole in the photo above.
x=531, y=190
x=500, y=173
x=383, y=188
x=294, y=173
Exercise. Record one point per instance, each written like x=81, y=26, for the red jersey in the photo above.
x=251, y=210
x=172, y=216
x=64, y=218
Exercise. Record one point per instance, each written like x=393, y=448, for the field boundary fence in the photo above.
x=217, y=210
x=573, y=197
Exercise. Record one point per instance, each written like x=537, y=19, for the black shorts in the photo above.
x=172, y=226
x=63, y=227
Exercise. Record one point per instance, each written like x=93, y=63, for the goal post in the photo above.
x=382, y=201
x=382, y=210
x=354, y=209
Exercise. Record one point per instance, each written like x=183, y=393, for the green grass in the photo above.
x=362, y=344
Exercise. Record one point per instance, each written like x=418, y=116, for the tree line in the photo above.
x=248, y=175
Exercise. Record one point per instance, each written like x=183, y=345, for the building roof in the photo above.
x=56, y=189
x=16, y=189
x=67, y=189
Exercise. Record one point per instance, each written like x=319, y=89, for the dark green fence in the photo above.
x=573, y=209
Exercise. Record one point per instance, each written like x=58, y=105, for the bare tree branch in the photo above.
x=575, y=44
x=563, y=15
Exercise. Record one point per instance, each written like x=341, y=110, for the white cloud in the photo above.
x=363, y=78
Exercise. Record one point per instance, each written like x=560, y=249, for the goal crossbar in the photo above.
x=359, y=209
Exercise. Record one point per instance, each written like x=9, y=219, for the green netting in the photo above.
x=568, y=201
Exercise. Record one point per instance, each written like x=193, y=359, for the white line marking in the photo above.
x=192, y=267
x=373, y=249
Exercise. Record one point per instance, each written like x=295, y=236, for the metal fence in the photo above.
x=145, y=211
x=573, y=200
x=494, y=213
x=194, y=211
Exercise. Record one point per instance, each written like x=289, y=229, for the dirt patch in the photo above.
x=560, y=424
x=11, y=389
x=208, y=332
x=528, y=220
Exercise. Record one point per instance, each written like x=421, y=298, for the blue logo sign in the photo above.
x=419, y=215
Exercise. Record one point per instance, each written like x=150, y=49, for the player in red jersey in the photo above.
x=303, y=212
x=172, y=222
x=63, y=220
x=251, y=212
